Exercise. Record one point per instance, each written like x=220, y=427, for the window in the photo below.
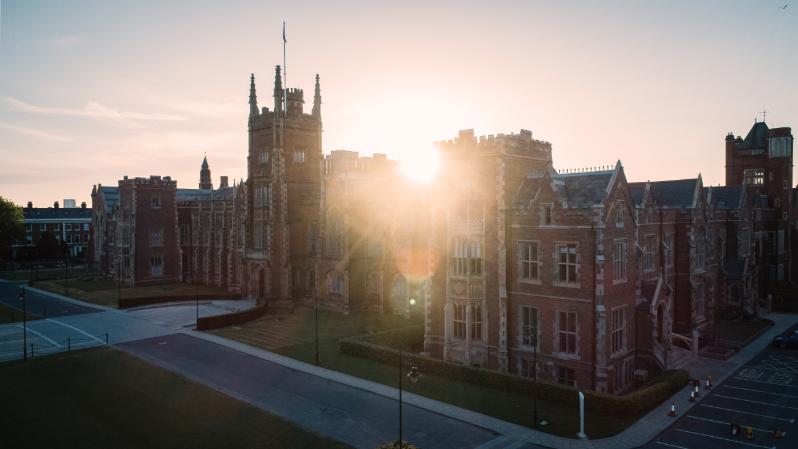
x=785, y=184
x=527, y=368
x=85, y=226
x=57, y=227
x=754, y=176
x=619, y=261
x=528, y=252
x=781, y=242
x=257, y=236
x=67, y=227
x=566, y=376
x=649, y=252
x=466, y=257
x=566, y=266
x=669, y=250
x=566, y=332
x=156, y=238
x=476, y=322
x=299, y=156
x=619, y=213
x=264, y=157
x=43, y=228
x=529, y=326
x=85, y=237
x=155, y=202
x=547, y=214
x=313, y=243
x=262, y=195
x=156, y=266
x=184, y=236
x=311, y=279
x=699, y=302
x=700, y=251
x=68, y=238
x=618, y=322
x=460, y=321
x=336, y=283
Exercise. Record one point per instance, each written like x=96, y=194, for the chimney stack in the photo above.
x=223, y=182
x=30, y=204
x=55, y=205
x=83, y=205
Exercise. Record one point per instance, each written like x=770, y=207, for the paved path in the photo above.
x=358, y=417
x=125, y=327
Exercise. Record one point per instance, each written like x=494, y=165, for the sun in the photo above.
x=420, y=166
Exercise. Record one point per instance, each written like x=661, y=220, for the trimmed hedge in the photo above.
x=126, y=303
x=230, y=319
x=652, y=394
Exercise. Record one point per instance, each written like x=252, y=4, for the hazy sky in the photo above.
x=91, y=91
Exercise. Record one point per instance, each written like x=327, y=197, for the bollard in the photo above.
x=69, y=344
x=106, y=338
x=31, y=350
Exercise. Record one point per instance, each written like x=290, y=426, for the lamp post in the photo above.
x=414, y=375
x=316, y=312
x=24, y=323
x=535, y=379
x=196, y=300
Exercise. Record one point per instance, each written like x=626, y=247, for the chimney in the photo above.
x=55, y=205
x=30, y=204
x=83, y=205
x=223, y=182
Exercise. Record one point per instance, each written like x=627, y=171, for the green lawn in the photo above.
x=105, y=292
x=10, y=315
x=293, y=335
x=104, y=398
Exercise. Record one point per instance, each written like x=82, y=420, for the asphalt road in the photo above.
x=762, y=394
x=38, y=304
x=360, y=418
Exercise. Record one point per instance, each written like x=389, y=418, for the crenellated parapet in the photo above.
x=521, y=144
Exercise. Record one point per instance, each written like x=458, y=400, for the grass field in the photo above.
x=104, y=291
x=104, y=398
x=293, y=336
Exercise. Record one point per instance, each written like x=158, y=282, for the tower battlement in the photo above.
x=519, y=144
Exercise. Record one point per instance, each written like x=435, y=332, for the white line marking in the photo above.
x=726, y=423
x=763, y=382
x=41, y=335
x=755, y=402
x=76, y=329
x=671, y=445
x=723, y=439
x=762, y=391
x=790, y=420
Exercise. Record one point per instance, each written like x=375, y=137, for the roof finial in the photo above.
x=764, y=115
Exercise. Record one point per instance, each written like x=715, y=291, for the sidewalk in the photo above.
x=638, y=434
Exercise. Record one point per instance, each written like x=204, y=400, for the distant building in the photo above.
x=763, y=163
x=70, y=225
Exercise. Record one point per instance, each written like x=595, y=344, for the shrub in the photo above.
x=640, y=400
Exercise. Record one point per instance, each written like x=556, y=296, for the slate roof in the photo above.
x=637, y=190
x=585, y=189
x=757, y=137
x=724, y=197
x=50, y=213
x=674, y=193
x=225, y=193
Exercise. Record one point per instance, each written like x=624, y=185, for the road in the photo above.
x=39, y=304
x=762, y=394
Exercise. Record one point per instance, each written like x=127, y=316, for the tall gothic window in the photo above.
x=619, y=260
x=466, y=257
x=529, y=326
x=618, y=322
x=649, y=251
x=459, y=320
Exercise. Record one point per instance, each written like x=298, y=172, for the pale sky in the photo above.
x=91, y=91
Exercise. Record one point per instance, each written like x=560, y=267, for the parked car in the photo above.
x=789, y=340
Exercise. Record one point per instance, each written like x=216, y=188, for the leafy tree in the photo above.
x=12, y=227
x=50, y=247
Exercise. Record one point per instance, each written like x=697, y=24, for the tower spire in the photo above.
x=205, y=175
x=253, y=99
x=278, y=90
x=317, y=100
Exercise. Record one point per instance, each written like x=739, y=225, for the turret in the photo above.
x=205, y=176
x=317, y=100
x=278, y=91
x=294, y=101
x=253, y=99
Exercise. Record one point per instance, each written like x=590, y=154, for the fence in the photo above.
x=69, y=345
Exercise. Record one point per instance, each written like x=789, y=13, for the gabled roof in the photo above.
x=724, y=197
x=757, y=137
x=51, y=213
x=585, y=189
x=637, y=190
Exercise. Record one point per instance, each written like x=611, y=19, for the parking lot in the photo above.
x=762, y=395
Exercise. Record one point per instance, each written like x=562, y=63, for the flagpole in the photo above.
x=285, y=76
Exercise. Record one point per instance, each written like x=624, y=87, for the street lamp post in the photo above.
x=196, y=300
x=24, y=324
x=535, y=377
x=413, y=375
x=317, y=328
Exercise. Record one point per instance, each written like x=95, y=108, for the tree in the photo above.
x=12, y=227
x=50, y=248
